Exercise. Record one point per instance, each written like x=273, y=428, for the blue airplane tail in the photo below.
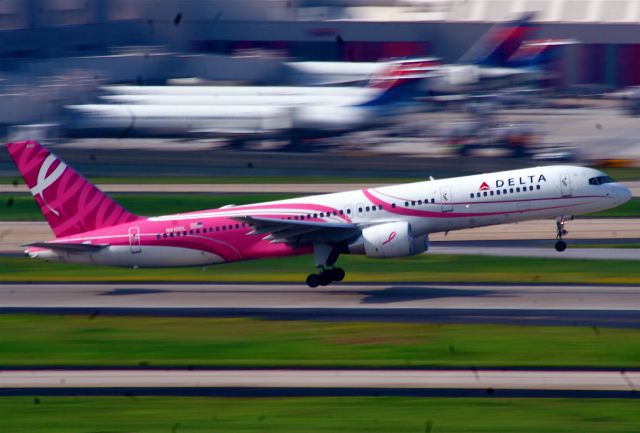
x=500, y=42
x=400, y=83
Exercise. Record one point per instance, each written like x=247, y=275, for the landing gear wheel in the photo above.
x=313, y=280
x=561, y=246
x=325, y=278
x=338, y=274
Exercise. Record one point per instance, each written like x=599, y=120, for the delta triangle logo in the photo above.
x=484, y=187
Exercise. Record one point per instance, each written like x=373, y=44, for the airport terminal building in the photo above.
x=351, y=30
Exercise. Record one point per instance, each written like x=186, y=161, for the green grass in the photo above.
x=630, y=209
x=22, y=207
x=622, y=174
x=316, y=415
x=420, y=269
x=78, y=340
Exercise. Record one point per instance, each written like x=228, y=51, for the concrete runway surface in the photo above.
x=553, y=305
x=307, y=378
x=13, y=234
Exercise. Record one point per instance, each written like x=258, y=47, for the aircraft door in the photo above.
x=134, y=240
x=445, y=199
x=565, y=185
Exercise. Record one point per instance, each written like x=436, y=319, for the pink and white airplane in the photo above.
x=385, y=222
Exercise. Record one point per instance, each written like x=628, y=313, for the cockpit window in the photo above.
x=600, y=180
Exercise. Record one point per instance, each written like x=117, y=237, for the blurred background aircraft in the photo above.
x=238, y=73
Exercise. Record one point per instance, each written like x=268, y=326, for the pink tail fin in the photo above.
x=68, y=201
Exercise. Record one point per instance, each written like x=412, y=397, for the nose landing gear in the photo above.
x=561, y=232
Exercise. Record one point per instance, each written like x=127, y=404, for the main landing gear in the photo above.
x=326, y=256
x=561, y=232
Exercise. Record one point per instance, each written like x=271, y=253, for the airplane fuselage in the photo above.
x=221, y=235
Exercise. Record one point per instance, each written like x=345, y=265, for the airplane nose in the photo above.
x=623, y=193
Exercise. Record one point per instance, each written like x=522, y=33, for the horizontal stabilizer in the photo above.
x=65, y=246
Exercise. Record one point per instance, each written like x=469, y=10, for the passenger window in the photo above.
x=197, y=231
x=511, y=190
x=490, y=192
x=413, y=203
x=518, y=189
x=224, y=228
x=157, y=236
x=484, y=193
x=406, y=204
x=171, y=234
x=498, y=192
x=359, y=209
x=349, y=211
x=190, y=232
x=537, y=186
x=393, y=205
x=341, y=212
x=433, y=200
x=504, y=191
x=531, y=188
x=471, y=195
x=367, y=208
x=184, y=233
x=237, y=226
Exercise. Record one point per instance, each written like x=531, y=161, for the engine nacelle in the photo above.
x=390, y=240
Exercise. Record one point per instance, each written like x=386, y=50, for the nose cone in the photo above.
x=623, y=194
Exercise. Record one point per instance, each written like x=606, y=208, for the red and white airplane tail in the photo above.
x=69, y=202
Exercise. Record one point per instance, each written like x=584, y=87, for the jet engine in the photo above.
x=384, y=241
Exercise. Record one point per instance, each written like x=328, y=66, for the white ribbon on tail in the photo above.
x=45, y=181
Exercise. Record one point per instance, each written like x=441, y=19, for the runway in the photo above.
x=308, y=378
x=440, y=303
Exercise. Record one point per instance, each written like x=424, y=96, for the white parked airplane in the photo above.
x=179, y=117
x=384, y=222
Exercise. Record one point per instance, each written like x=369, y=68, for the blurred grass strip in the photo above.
x=130, y=341
x=421, y=269
x=22, y=207
x=317, y=414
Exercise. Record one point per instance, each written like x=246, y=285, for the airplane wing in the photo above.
x=300, y=232
x=65, y=246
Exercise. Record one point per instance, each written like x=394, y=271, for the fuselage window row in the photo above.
x=503, y=192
